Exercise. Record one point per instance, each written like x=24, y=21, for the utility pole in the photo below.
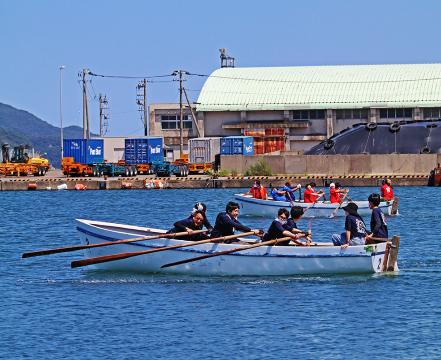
x=181, y=118
x=61, y=68
x=86, y=129
x=103, y=115
x=142, y=102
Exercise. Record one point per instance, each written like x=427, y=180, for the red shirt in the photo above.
x=308, y=196
x=334, y=196
x=387, y=192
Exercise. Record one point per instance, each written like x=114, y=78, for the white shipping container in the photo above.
x=113, y=148
x=203, y=150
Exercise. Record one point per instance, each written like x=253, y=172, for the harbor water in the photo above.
x=50, y=311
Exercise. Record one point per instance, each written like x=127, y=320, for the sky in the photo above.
x=147, y=38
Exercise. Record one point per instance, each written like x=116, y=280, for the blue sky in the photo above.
x=141, y=38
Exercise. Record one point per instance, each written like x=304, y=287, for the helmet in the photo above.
x=374, y=199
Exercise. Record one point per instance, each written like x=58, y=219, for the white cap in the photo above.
x=299, y=186
x=331, y=185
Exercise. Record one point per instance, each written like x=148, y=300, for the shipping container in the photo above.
x=237, y=145
x=113, y=148
x=275, y=132
x=254, y=132
x=203, y=150
x=259, y=145
x=143, y=150
x=84, y=151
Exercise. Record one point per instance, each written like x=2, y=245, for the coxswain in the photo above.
x=310, y=195
x=355, y=228
x=335, y=193
x=202, y=207
x=258, y=191
x=378, y=221
x=190, y=224
x=278, y=195
x=387, y=192
x=227, y=223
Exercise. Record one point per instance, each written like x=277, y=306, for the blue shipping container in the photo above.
x=143, y=150
x=84, y=151
x=237, y=145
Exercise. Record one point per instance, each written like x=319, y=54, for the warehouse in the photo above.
x=312, y=103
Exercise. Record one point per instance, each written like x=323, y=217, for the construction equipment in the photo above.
x=20, y=163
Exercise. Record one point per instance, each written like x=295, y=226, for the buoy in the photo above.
x=32, y=186
x=80, y=187
x=371, y=125
x=394, y=127
x=62, y=187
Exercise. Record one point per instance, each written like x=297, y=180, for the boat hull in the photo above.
x=250, y=206
x=261, y=261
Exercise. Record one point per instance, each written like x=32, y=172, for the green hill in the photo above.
x=21, y=127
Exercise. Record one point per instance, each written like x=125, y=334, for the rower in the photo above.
x=290, y=189
x=355, y=228
x=194, y=222
x=387, y=192
x=226, y=222
x=310, y=195
x=200, y=206
x=378, y=222
x=335, y=193
x=291, y=225
x=278, y=195
x=278, y=230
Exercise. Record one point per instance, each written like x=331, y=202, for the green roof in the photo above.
x=322, y=87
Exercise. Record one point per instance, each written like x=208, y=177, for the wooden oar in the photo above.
x=338, y=207
x=312, y=204
x=125, y=241
x=225, y=252
x=120, y=256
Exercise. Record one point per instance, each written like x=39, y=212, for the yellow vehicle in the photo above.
x=20, y=163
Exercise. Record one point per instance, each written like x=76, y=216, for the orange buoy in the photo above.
x=80, y=187
x=32, y=186
x=126, y=185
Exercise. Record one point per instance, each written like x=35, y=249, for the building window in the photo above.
x=352, y=114
x=432, y=113
x=308, y=114
x=171, y=122
x=396, y=114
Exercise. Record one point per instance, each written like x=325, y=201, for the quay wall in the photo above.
x=338, y=165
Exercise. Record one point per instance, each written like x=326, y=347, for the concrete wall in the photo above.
x=396, y=164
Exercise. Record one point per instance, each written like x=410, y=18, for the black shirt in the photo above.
x=275, y=231
x=182, y=225
x=225, y=225
x=356, y=225
x=206, y=223
x=378, y=224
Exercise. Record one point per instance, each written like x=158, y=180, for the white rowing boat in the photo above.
x=250, y=206
x=260, y=261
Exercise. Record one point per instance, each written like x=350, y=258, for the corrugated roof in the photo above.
x=321, y=87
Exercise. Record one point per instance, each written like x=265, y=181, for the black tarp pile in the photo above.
x=412, y=137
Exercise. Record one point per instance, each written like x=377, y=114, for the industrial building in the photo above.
x=312, y=103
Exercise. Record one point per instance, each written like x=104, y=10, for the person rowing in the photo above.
x=258, y=191
x=289, y=191
x=378, y=222
x=310, y=195
x=200, y=206
x=278, y=229
x=355, y=228
x=190, y=224
x=227, y=223
x=335, y=193
x=387, y=191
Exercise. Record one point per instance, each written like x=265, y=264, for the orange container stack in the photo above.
x=267, y=140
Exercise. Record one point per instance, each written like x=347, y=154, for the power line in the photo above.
x=129, y=77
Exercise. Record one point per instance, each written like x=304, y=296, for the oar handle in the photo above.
x=310, y=206
x=339, y=206
x=225, y=252
x=124, y=241
x=106, y=258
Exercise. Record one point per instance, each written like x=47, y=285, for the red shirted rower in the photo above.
x=310, y=195
x=335, y=193
x=387, y=192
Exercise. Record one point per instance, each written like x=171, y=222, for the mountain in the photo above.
x=21, y=127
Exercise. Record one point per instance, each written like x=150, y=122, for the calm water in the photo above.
x=51, y=311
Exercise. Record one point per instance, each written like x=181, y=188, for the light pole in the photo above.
x=61, y=110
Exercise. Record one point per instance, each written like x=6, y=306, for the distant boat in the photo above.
x=260, y=261
x=250, y=206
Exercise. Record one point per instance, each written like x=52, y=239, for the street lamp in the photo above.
x=61, y=68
